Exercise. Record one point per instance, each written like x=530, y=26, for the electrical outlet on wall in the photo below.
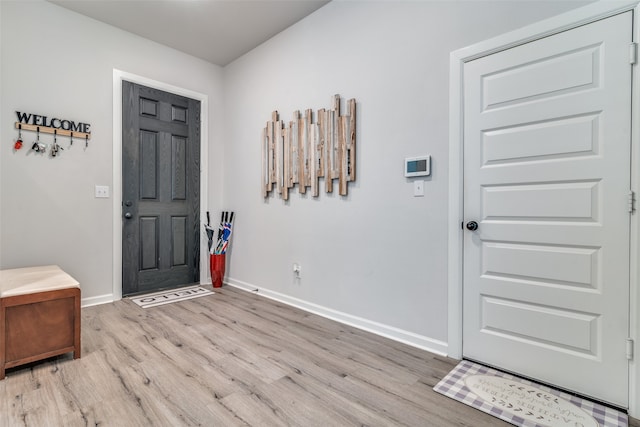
x=297, y=269
x=102, y=191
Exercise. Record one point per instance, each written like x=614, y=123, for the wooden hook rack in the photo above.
x=59, y=132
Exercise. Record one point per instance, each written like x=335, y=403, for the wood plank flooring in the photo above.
x=231, y=359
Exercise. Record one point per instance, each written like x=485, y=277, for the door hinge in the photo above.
x=629, y=349
x=632, y=201
x=633, y=53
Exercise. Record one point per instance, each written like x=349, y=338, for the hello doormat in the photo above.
x=523, y=403
x=167, y=297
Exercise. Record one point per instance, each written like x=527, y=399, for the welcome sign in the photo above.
x=53, y=123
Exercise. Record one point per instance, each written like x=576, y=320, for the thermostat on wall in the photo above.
x=417, y=166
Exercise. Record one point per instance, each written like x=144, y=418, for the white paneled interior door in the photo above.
x=546, y=181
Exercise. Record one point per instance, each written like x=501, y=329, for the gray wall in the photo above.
x=56, y=62
x=377, y=257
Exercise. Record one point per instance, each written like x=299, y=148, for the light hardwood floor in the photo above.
x=230, y=359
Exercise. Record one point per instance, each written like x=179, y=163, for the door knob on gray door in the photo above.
x=472, y=225
x=128, y=215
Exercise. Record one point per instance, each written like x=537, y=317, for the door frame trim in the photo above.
x=118, y=77
x=457, y=59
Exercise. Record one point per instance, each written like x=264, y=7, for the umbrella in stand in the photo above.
x=217, y=258
x=221, y=226
x=224, y=233
x=210, y=232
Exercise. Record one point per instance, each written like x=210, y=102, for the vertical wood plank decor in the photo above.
x=302, y=156
x=308, y=146
x=273, y=122
x=294, y=150
x=286, y=173
x=335, y=166
x=302, y=152
x=321, y=141
x=270, y=155
x=313, y=160
x=265, y=163
x=330, y=152
x=351, y=140
x=342, y=149
x=279, y=155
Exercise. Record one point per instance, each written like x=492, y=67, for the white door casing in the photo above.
x=118, y=77
x=546, y=176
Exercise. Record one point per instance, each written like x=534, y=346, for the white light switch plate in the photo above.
x=102, y=191
x=418, y=188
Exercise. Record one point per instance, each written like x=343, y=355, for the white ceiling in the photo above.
x=218, y=31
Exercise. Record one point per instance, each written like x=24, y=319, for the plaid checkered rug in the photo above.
x=522, y=402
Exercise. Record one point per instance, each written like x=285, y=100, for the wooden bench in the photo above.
x=39, y=315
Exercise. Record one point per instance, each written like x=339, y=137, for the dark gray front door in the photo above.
x=160, y=189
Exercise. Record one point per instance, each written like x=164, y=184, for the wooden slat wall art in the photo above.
x=304, y=151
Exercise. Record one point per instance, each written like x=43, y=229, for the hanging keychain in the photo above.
x=71, y=139
x=86, y=141
x=55, y=148
x=41, y=145
x=18, y=143
x=38, y=146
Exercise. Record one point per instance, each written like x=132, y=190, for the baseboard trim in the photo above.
x=391, y=332
x=100, y=299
